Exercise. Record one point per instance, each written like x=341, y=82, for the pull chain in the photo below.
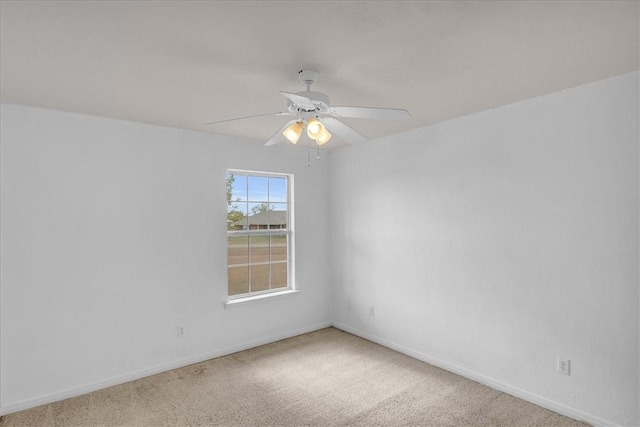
x=309, y=157
x=318, y=153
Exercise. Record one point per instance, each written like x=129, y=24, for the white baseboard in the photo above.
x=482, y=379
x=131, y=376
x=120, y=379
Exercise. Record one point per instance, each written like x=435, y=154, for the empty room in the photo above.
x=327, y=213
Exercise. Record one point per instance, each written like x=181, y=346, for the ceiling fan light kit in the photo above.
x=321, y=119
x=315, y=131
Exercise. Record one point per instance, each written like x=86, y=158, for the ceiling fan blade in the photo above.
x=344, y=132
x=299, y=100
x=278, y=137
x=250, y=117
x=370, y=113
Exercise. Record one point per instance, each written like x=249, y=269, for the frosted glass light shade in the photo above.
x=293, y=132
x=323, y=138
x=314, y=128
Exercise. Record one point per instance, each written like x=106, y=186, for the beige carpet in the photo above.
x=324, y=378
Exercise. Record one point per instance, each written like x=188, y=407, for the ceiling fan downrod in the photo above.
x=307, y=77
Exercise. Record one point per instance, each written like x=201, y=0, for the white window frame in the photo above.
x=289, y=231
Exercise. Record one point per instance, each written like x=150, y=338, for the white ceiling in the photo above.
x=185, y=63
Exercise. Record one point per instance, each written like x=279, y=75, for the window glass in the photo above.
x=277, y=189
x=259, y=234
x=258, y=189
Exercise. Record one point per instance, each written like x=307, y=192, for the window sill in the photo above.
x=263, y=297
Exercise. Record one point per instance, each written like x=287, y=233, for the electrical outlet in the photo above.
x=564, y=366
x=181, y=331
x=372, y=311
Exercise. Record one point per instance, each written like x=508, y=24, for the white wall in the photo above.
x=113, y=233
x=493, y=243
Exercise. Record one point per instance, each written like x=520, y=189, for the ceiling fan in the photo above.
x=314, y=111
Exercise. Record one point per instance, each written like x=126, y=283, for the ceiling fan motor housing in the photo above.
x=318, y=99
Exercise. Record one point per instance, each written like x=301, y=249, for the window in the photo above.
x=259, y=233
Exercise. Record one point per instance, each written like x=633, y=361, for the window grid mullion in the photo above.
x=249, y=262
x=248, y=237
x=270, y=236
x=269, y=228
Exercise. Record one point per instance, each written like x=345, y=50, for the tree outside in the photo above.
x=262, y=207
x=233, y=214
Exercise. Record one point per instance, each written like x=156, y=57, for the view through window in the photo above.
x=259, y=232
